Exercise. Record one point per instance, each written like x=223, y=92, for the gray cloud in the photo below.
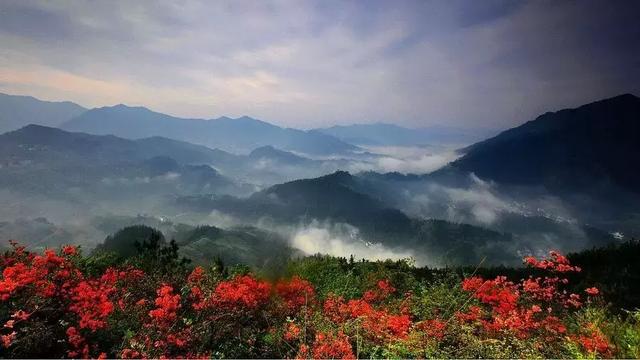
x=307, y=64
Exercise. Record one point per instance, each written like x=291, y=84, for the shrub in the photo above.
x=58, y=304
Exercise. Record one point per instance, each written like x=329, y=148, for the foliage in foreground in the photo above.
x=59, y=304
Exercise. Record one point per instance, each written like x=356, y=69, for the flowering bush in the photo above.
x=52, y=305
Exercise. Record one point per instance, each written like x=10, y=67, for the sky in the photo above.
x=304, y=64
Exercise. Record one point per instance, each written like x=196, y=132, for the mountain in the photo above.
x=184, y=152
x=341, y=198
x=272, y=154
x=457, y=223
x=240, y=245
x=331, y=196
x=244, y=245
x=239, y=135
x=51, y=148
x=35, y=142
x=579, y=149
x=381, y=134
x=18, y=111
x=44, y=160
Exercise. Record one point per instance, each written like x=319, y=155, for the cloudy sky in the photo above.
x=317, y=63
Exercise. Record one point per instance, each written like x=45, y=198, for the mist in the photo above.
x=344, y=240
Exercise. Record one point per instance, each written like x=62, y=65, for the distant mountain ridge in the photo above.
x=239, y=135
x=17, y=111
x=263, y=166
x=381, y=134
x=571, y=149
x=15, y=144
x=45, y=160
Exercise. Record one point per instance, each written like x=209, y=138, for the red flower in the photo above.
x=433, y=328
x=296, y=293
x=573, y=300
x=330, y=346
x=292, y=333
x=20, y=315
x=130, y=354
x=501, y=294
x=385, y=287
x=75, y=339
x=197, y=297
x=381, y=292
x=592, y=291
x=244, y=291
x=91, y=302
x=595, y=342
x=473, y=314
x=18, y=276
x=167, y=305
x=196, y=275
x=69, y=250
x=176, y=340
x=380, y=324
x=556, y=262
x=8, y=339
x=398, y=325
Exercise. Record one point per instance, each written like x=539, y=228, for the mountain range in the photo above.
x=239, y=135
x=51, y=150
x=566, y=179
x=43, y=160
x=19, y=111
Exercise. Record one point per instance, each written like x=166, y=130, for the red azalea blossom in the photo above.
x=77, y=342
x=130, y=354
x=196, y=275
x=20, y=315
x=91, y=302
x=197, y=298
x=69, y=250
x=556, y=262
x=380, y=324
x=8, y=339
x=433, y=328
x=292, y=332
x=167, y=305
x=242, y=290
x=595, y=342
x=295, y=293
x=398, y=325
x=592, y=291
x=473, y=314
x=331, y=346
x=179, y=340
x=382, y=291
x=75, y=339
x=501, y=294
